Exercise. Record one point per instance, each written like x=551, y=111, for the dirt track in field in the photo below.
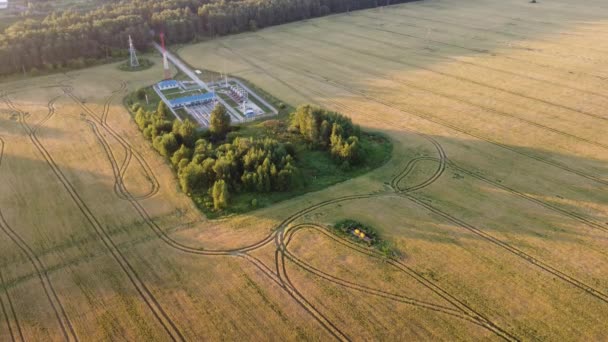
x=496, y=194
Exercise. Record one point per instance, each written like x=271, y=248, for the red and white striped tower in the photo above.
x=165, y=61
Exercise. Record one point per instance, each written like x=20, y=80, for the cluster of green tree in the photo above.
x=74, y=38
x=329, y=131
x=217, y=169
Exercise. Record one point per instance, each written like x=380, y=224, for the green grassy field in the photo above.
x=496, y=196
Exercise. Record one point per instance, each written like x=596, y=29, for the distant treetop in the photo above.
x=76, y=39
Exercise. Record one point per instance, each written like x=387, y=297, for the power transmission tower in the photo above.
x=133, y=52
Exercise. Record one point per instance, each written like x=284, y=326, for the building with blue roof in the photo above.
x=191, y=100
x=168, y=84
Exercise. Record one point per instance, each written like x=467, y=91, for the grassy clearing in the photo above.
x=144, y=64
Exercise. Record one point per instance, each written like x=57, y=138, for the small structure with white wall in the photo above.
x=192, y=100
x=3, y=4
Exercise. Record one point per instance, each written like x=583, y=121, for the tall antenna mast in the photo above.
x=165, y=61
x=133, y=53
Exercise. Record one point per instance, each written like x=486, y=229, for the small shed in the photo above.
x=3, y=4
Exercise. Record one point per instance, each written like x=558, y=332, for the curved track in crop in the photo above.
x=148, y=298
x=285, y=231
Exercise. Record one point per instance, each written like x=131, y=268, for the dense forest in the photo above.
x=210, y=164
x=80, y=38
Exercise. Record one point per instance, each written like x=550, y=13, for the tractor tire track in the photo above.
x=311, y=310
x=119, y=186
x=438, y=147
x=6, y=318
x=596, y=293
x=555, y=27
x=328, y=325
x=433, y=54
x=62, y=319
x=365, y=289
x=296, y=297
x=145, y=294
x=513, y=250
x=177, y=245
x=426, y=117
x=13, y=313
x=129, y=150
x=461, y=306
x=564, y=277
x=518, y=37
x=580, y=218
x=550, y=52
x=409, y=167
x=527, y=21
x=457, y=98
x=281, y=249
x=475, y=50
x=523, y=6
x=325, y=322
x=438, y=173
x=6, y=292
x=444, y=74
x=465, y=308
x=487, y=14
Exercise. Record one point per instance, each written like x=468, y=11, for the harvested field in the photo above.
x=496, y=195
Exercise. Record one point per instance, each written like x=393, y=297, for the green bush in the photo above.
x=346, y=227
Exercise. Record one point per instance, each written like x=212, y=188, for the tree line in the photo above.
x=76, y=39
x=207, y=164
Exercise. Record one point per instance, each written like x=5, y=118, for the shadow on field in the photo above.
x=389, y=36
x=46, y=132
x=481, y=176
x=554, y=178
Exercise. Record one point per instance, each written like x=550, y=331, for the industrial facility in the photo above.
x=196, y=99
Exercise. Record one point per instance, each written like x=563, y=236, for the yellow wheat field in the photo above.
x=496, y=195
